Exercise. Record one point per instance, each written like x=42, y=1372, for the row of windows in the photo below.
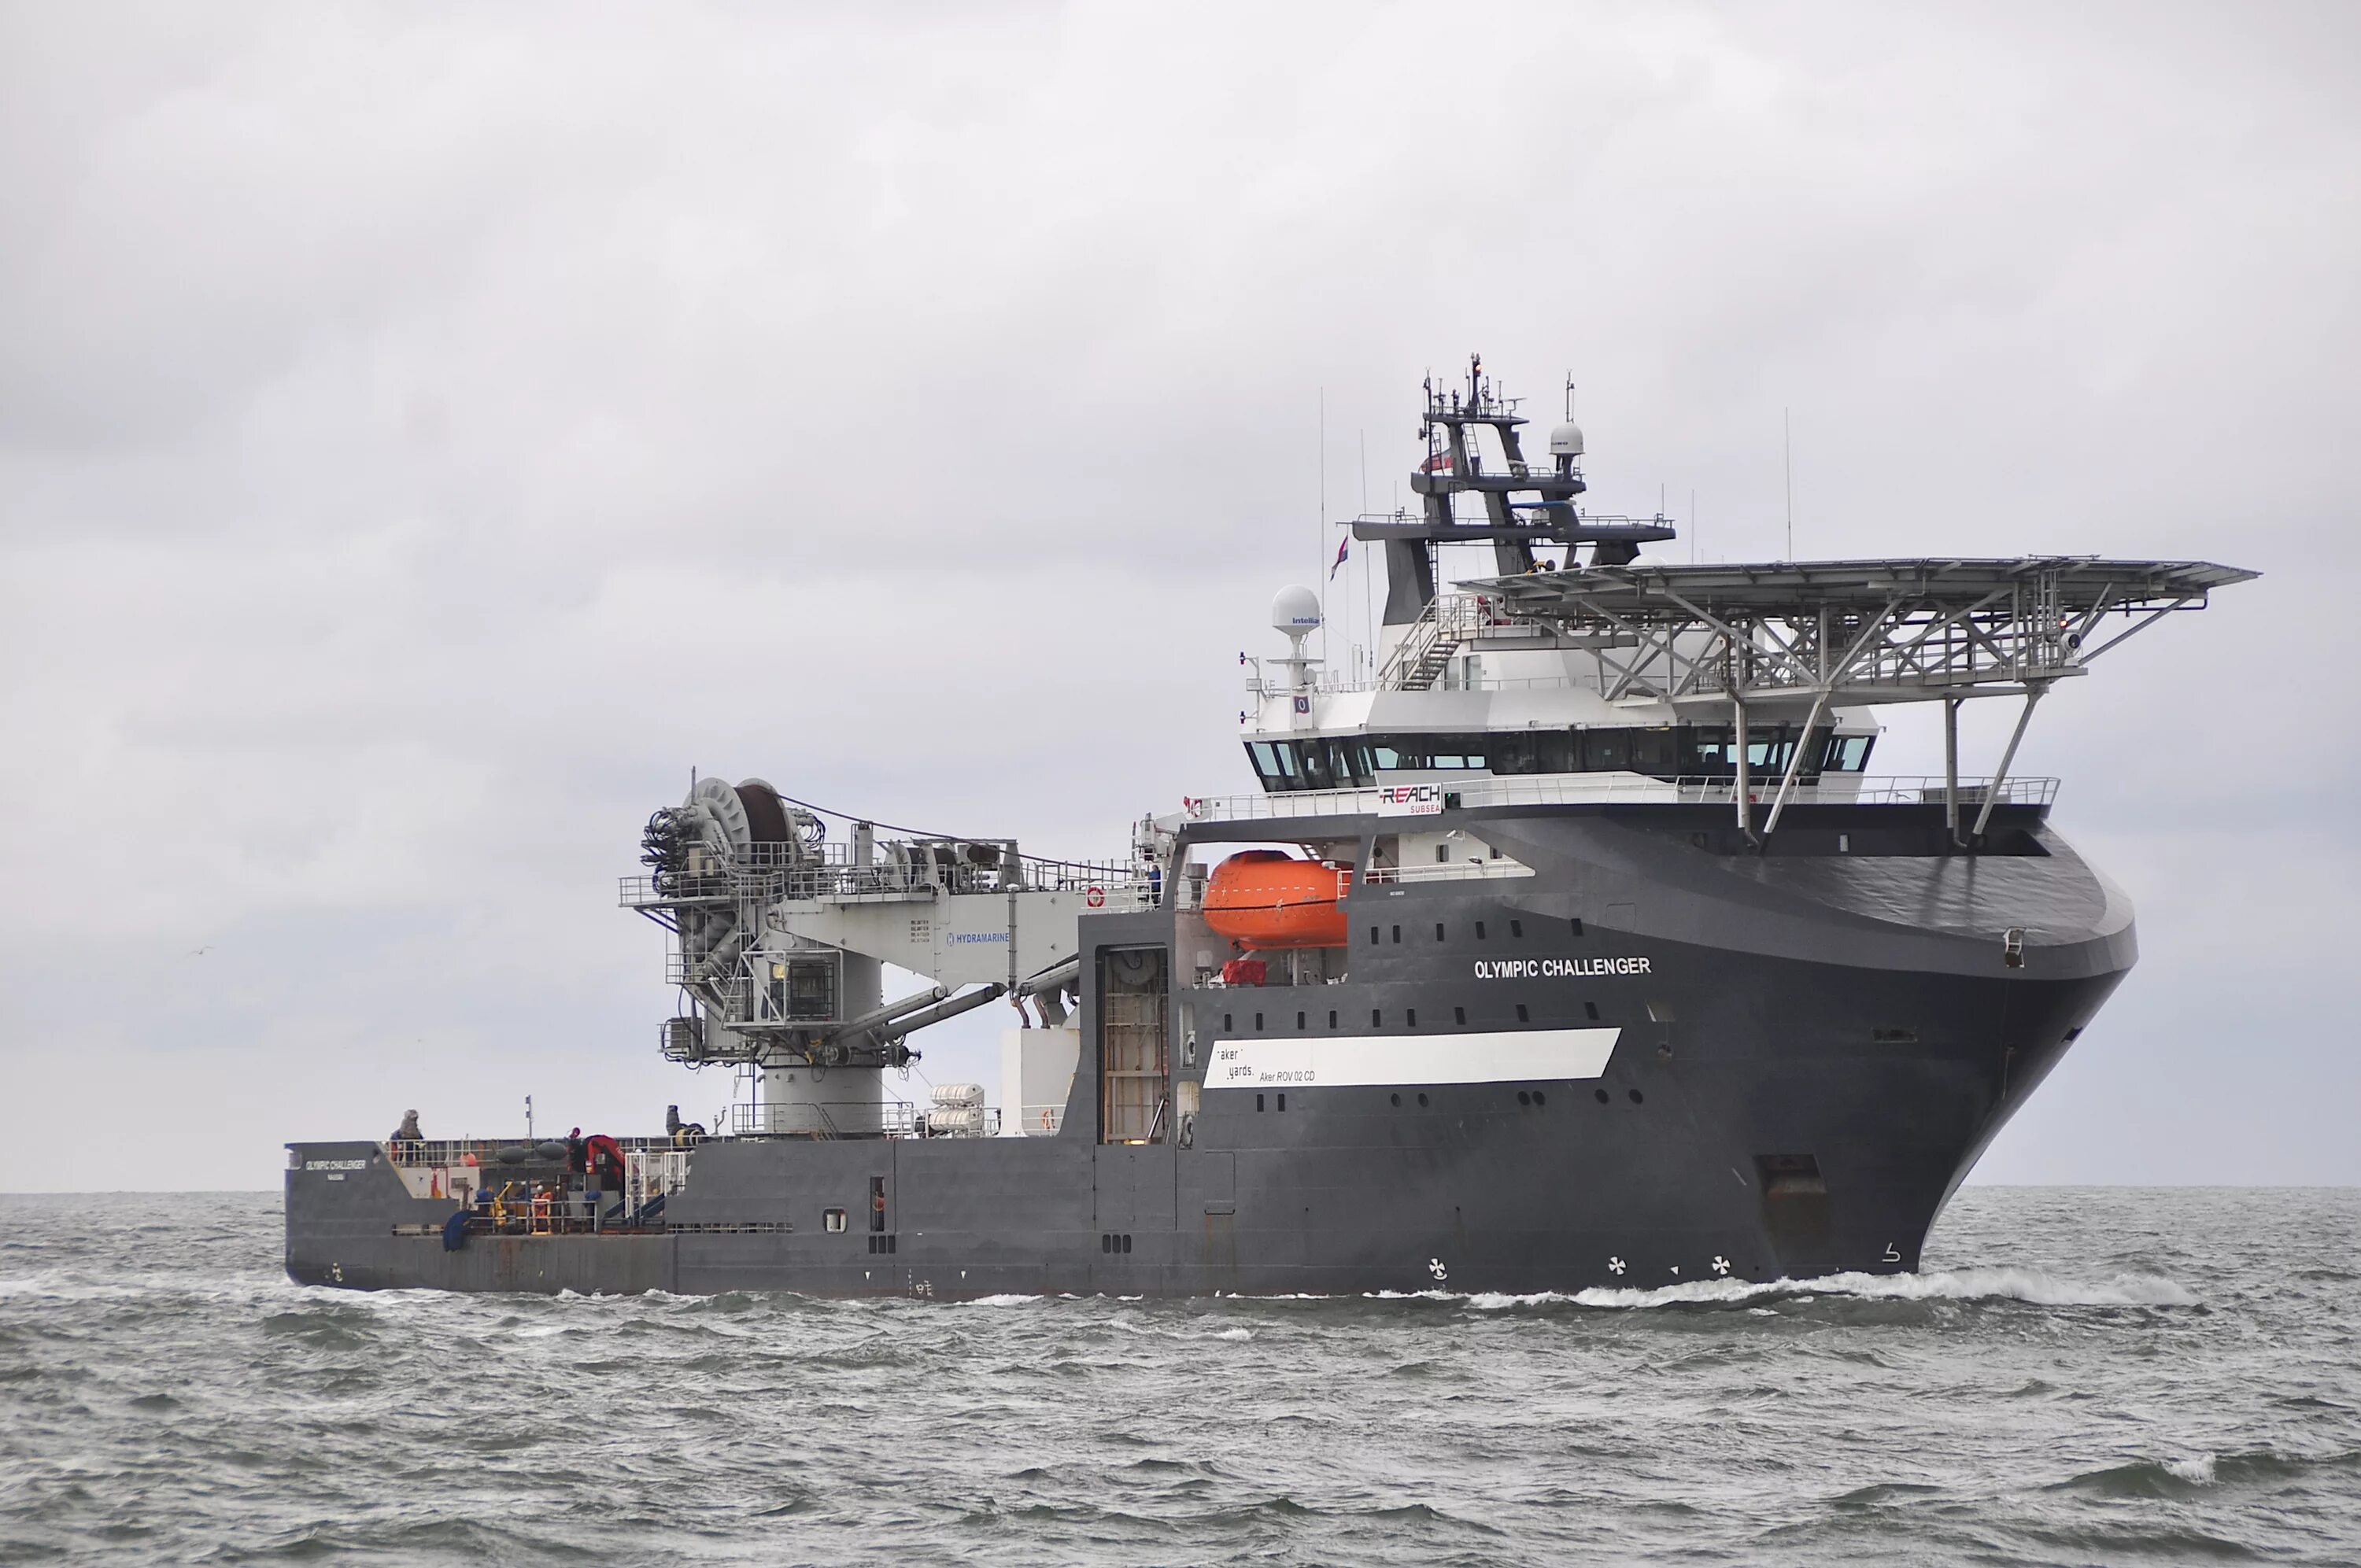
x=1684, y=751
x=1377, y=1018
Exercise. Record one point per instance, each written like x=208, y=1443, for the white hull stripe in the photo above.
x=1517, y=1056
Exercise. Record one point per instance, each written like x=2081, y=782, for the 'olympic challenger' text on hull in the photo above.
x=1640, y=977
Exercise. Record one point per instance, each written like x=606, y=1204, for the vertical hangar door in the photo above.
x=1134, y=1073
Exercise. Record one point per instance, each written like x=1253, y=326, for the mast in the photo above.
x=1525, y=503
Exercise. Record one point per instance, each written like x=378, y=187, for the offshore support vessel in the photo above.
x=1567, y=943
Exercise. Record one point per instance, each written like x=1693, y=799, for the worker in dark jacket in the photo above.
x=406, y=1138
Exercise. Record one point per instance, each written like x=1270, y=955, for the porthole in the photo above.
x=1257, y=1020
x=1282, y=1101
x=1421, y=1100
x=1590, y=1011
x=1258, y=1102
x=1228, y=1023
x=1601, y=1094
x=1523, y=1097
x=1539, y=1097
x=1397, y=933
x=1522, y=1017
x=1298, y=1020
x=1577, y=925
x=1373, y=935
x=1332, y=1018
x=1438, y=931
x=1515, y=928
x=1479, y=930
x=1377, y=1018
x=1410, y=1013
x=1637, y=1097
x=1397, y=1100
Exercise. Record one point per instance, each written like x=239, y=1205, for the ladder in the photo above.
x=1432, y=642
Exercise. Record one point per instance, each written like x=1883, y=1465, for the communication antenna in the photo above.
x=528, y=1118
x=1787, y=455
x=1369, y=632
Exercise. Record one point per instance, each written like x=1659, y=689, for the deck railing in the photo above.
x=1475, y=790
x=834, y=1119
x=1118, y=884
x=486, y=1152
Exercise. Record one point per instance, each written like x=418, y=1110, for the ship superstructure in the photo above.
x=1569, y=940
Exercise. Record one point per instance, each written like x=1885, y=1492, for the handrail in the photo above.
x=1119, y=884
x=810, y=1119
x=1475, y=790
x=455, y=1151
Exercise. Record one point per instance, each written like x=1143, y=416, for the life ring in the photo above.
x=1095, y=896
x=1048, y=1119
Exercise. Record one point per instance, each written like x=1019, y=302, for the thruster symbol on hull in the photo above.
x=1434, y=1267
x=1720, y=1263
x=1616, y=1265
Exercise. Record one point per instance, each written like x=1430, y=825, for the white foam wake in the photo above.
x=1997, y=1284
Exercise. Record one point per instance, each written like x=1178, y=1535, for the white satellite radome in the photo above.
x=1644, y=559
x=1566, y=440
x=1295, y=611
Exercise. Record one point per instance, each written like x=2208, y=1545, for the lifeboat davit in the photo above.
x=1264, y=898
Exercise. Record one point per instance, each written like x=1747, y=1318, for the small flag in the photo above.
x=1343, y=548
x=1439, y=463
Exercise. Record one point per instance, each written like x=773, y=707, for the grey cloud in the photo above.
x=426, y=432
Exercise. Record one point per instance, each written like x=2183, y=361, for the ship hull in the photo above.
x=1802, y=1055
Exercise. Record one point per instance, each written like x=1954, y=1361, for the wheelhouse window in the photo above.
x=1848, y=753
x=1694, y=751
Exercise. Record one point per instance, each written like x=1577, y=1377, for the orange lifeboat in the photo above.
x=1264, y=898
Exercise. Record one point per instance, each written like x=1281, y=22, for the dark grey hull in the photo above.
x=1819, y=1047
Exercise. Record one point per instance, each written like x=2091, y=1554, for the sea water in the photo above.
x=2079, y=1376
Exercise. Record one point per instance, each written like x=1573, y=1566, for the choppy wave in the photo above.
x=2096, y=1378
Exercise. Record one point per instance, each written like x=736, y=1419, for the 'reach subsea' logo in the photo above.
x=1410, y=800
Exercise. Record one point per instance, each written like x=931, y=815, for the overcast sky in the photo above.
x=427, y=432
